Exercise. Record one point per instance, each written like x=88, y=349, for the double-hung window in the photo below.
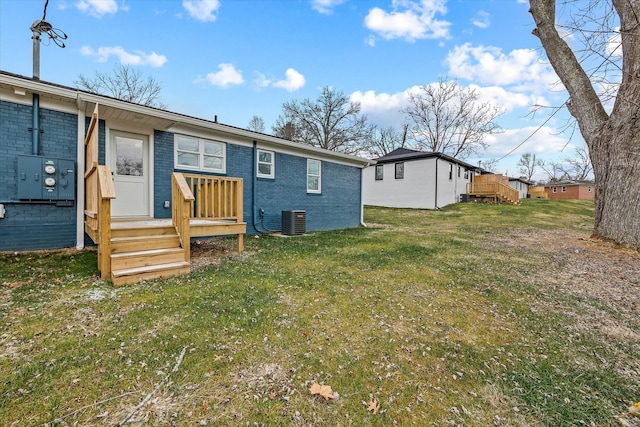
x=200, y=154
x=266, y=164
x=314, y=176
x=399, y=170
x=379, y=172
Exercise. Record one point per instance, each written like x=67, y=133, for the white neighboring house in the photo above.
x=408, y=178
x=522, y=185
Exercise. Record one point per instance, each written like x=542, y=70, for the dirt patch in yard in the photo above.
x=213, y=251
x=601, y=281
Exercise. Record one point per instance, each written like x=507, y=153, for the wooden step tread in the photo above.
x=147, y=252
x=149, y=269
x=142, y=238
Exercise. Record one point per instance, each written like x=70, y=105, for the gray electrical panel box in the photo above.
x=46, y=178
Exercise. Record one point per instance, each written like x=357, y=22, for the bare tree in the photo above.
x=450, y=119
x=385, y=140
x=527, y=165
x=490, y=165
x=579, y=166
x=332, y=122
x=554, y=170
x=256, y=124
x=125, y=83
x=611, y=137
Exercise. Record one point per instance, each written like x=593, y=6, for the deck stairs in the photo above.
x=144, y=250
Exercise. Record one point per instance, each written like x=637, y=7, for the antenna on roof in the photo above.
x=39, y=27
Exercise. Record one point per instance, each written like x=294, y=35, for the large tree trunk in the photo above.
x=613, y=140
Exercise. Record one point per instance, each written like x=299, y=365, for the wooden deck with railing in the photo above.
x=131, y=250
x=493, y=188
x=538, y=192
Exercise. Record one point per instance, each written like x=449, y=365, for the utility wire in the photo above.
x=604, y=61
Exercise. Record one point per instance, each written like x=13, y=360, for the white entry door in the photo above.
x=129, y=162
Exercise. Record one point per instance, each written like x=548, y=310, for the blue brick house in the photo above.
x=46, y=161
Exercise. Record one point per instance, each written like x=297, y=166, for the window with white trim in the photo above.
x=199, y=154
x=589, y=190
x=266, y=164
x=554, y=189
x=399, y=170
x=314, y=176
x=450, y=171
x=564, y=189
x=379, y=172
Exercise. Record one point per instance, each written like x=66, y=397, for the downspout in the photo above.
x=254, y=180
x=436, y=201
x=80, y=196
x=362, y=223
x=35, y=125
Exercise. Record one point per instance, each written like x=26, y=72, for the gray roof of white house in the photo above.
x=407, y=154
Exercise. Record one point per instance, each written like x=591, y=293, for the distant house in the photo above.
x=577, y=190
x=408, y=178
x=521, y=185
x=77, y=168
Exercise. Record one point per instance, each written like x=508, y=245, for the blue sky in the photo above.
x=240, y=58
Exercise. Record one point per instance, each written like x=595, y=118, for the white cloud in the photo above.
x=293, y=81
x=325, y=6
x=102, y=54
x=481, y=20
x=227, y=76
x=507, y=101
x=202, y=10
x=613, y=46
x=97, y=7
x=488, y=64
x=540, y=141
x=409, y=20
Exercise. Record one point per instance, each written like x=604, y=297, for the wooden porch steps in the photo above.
x=145, y=250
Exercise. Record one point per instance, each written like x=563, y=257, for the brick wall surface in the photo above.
x=338, y=206
x=29, y=226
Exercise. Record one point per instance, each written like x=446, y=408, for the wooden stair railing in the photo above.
x=182, y=203
x=497, y=190
x=217, y=198
x=106, y=192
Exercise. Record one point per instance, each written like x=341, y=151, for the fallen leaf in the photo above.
x=635, y=410
x=323, y=390
x=272, y=395
x=374, y=406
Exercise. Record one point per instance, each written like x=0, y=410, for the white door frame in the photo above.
x=110, y=134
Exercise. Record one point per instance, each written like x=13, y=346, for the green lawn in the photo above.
x=470, y=315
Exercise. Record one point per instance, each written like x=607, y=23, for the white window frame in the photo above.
x=564, y=189
x=200, y=153
x=272, y=164
x=319, y=189
x=554, y=189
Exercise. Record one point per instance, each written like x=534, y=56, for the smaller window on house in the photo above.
x=266, y=164
x=554, y=189
x=589, y=189
x=399, y=170
x=450, y=171
x=379, y=172
x=466, y=174
x=459, y=171
x=314, y=175
x=564, y=189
